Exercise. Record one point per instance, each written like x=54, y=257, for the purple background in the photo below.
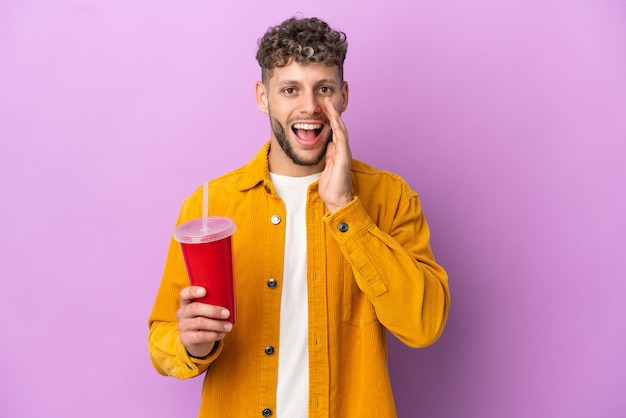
x=509, y=118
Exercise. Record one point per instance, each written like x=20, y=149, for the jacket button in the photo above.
x=269, y=350
x=343, y=227
x=267, y=412
x=275, y=219
x=271, y=283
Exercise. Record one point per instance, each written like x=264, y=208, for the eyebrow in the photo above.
x=319, y=82
x=328, y=81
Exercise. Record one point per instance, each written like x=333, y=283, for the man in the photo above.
x=329, y=253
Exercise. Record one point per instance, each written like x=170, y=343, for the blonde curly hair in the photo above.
x=305, y=40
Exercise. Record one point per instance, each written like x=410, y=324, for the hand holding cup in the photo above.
x=200, y=325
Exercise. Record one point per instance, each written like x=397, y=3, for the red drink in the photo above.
x=209, y=260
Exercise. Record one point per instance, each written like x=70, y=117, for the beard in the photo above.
x=281, y=136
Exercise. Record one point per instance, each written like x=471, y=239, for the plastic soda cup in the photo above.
x=206, y=244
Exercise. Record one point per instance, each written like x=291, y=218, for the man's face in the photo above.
x=294, y=99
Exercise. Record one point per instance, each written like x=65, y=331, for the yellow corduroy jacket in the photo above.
x=369, y=269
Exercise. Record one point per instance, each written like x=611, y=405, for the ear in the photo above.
x=344, y=95
x=261, y=97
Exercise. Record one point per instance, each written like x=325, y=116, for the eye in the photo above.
x=289, y=91
x=325, y=90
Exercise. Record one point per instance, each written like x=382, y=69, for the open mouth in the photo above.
x=307, y=131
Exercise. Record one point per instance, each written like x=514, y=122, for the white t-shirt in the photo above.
x=292, y=392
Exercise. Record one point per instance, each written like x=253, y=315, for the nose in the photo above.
x=310, y=104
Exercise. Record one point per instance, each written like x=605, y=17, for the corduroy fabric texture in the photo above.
x=370, y=269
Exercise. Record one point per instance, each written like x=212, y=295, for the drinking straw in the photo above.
x=205, y=207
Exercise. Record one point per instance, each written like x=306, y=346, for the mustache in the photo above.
x=323, y=121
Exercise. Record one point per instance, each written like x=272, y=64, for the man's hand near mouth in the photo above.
x=335, y=186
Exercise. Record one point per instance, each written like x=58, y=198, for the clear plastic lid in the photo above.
x=193, y=232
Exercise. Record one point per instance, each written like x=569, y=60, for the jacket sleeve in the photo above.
x=167, y=353
x=395, y=268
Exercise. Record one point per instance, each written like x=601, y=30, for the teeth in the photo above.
x=307, y=126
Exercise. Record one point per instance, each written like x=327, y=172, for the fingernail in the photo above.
x=225, y=313
x=228, y=326
x=199, y=292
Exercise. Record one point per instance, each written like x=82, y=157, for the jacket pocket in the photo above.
x=357, y=309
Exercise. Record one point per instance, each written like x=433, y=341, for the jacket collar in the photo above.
x=257, y=171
